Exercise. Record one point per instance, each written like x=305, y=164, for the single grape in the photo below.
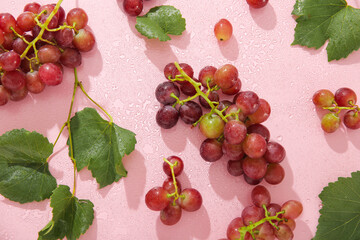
x=4, y=95
x=156, y=199
x=167, y=117
x=163, y=92
x=330, y=122
x=64, y=37
x=168, y=69
x=206, y=76
x=54, y=22
x=171, y=214
x=13, y=80
x=212, y=126
x=345, y=97
x=292, y=209
x=32, y=7
x=252, y=214
x=70, y=58
x=251, y=181
x=273, y=208
x=290, y=223
x=133, y=7
x=259, y=129
x=261, y=114
x=260, y=196
x=248, y=102
x=10, y=61
x=50, y=74
x=186, y=68
x=233, y=151
x=352, y=119
x=33, y=82
x=234, y=167
x=190, y=199
x=190, y=112
x=226, y=76
x=235, y=132
x=223, y=30
x=265, y=231
x=234, y=89
x=19, y=94
x=7, y=21
x=234, y=113
x=178, y=168
x=19, y=45
x=211, y=150
x=232, y=232
x=284, y=232
x=323, y=98
x=187, y=88
x=169, y=186
x=26, y=21
x=257, y=3
x=275, y=152
x=213, y=96
x=84, y=40
x=49, y=54
x=254, y=145
x=78, y=17
x=9, y=39
x=274, y=174
x=255, y=168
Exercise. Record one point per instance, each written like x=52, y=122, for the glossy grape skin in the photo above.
x=345, y=97
x=212, y=126
x=257, y=3
x=275, y=152
x=232, y=111
x=233, y=151
x=26, y=21
x=186, y=68
x=248, y=102
x=213, y=96
x=167, y=117
x=223, y=30
x=260, y=196
x=49, y=54
x=235, y=132
x=13, y=80
x=234, y=167
x=290, y=223
x=133, y=7
x=64, y=37
x=323, y=98
x=252, y=214
x=251, y=181
x=211, y=150
x=226, y=76
x=177, y=169
x=7, y=21
x=33, y=82
x=259, y=129
x=187, y=88
x=261, y=114
x=224, y=104
x=234, y=89
x=232, y=232
x=254, y=145
x=273, y=208
x=190, y=199
x=19, y=95
x=19, y=45
x=265, y=231
x=330, y=122
x=163, y=92
x=84, y=40
x=168, y=69
x=70, y=58
x=10, y=61
x=274, y=174
x=190, y=112
x=50, y=74
x=4, y=95
x=284, y=233
x=32, y=7
x=352, y=119
x=206, y=76
x=292, y=209
x=77, y=16
x=156, y=199
x=9, y=39
x=171, y=214
x=254, y=168
x=169, y=186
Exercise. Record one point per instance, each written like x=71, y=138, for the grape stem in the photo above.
x=250, y=228
x=338, y=109
x=175, y=194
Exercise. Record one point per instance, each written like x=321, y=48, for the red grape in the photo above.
x=32, y=7
x=169, y=186
x=233, y=151
x=234, y=167
x=156, y=199
x=178, y=168
x=190, y=200
x=133, y=7
x=261, y=114
x=71, y=58
x=190, y=112
x=274, y=174
x=330, y=122
x=248, y=102
x=49, y=54
x=168, y=69
x=13, y=80
x=212, y=126
x=254, y=145
x=64, y=37
x=284, y=232
x=345, y=97
x=26, y=21
x=186, y=68
x=323, y=98
x=257, y=3
x=226, y=76
x=167, y=117
x=255, y=168
x=259, y=129
x=33, y=82
x=84, y=40
x=206, y=76
x=234, y=89
x=171, y=214
x=213, y=97
x=10, y=61
x=223, y=30
x=232, y=230
x=211, y=150
x=292, y=209
x=252, y=214
x=260, y=196
x=19, y=94
x=163, y=92
x=352, y=119
x=50, y=74
x=77, y=16
x=7, y=21
x=234, y=132
x=275, y=152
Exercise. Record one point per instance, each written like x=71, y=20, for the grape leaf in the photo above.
x=24, y=172
x=71, y=216
x=320, y=20
x=340, y=212
x=161, y=21
x=100, y=146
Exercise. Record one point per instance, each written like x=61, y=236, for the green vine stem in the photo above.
x=250, y=228
x=175, y=194
x=338, y=109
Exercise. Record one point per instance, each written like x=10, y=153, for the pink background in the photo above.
x=122, y=74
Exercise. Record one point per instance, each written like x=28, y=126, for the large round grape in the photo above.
x=163, y=92
x=190, y=112
x=167, y=117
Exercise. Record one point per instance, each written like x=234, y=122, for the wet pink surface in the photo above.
x=122, y=74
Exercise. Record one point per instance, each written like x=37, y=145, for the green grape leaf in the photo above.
x=100, y=146
x=71, y=216
x=340, y=212
x=333, y=20
x=161, y=21
x=24, y=171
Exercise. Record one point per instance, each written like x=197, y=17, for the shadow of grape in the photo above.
x=264, y=17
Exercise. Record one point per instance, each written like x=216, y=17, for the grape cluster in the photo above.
x=265, y=220
x=169, y=199
x=343, y=99
x=35, y=46
x=232, y=128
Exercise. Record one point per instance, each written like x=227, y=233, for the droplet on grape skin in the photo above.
x=50, y=74
x=77, y=16
x=345, y=97
x=223, y=30
x=275, y=152
x=133, y=7
x=212, y=126
x=190, y=112
x=157, y=199
x=190, y=199
x=163, y=92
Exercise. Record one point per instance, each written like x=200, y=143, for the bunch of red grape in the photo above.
x=343, y=99
x=232, y=128
x=35, y=46
x=265, y=220
x=169, y=199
